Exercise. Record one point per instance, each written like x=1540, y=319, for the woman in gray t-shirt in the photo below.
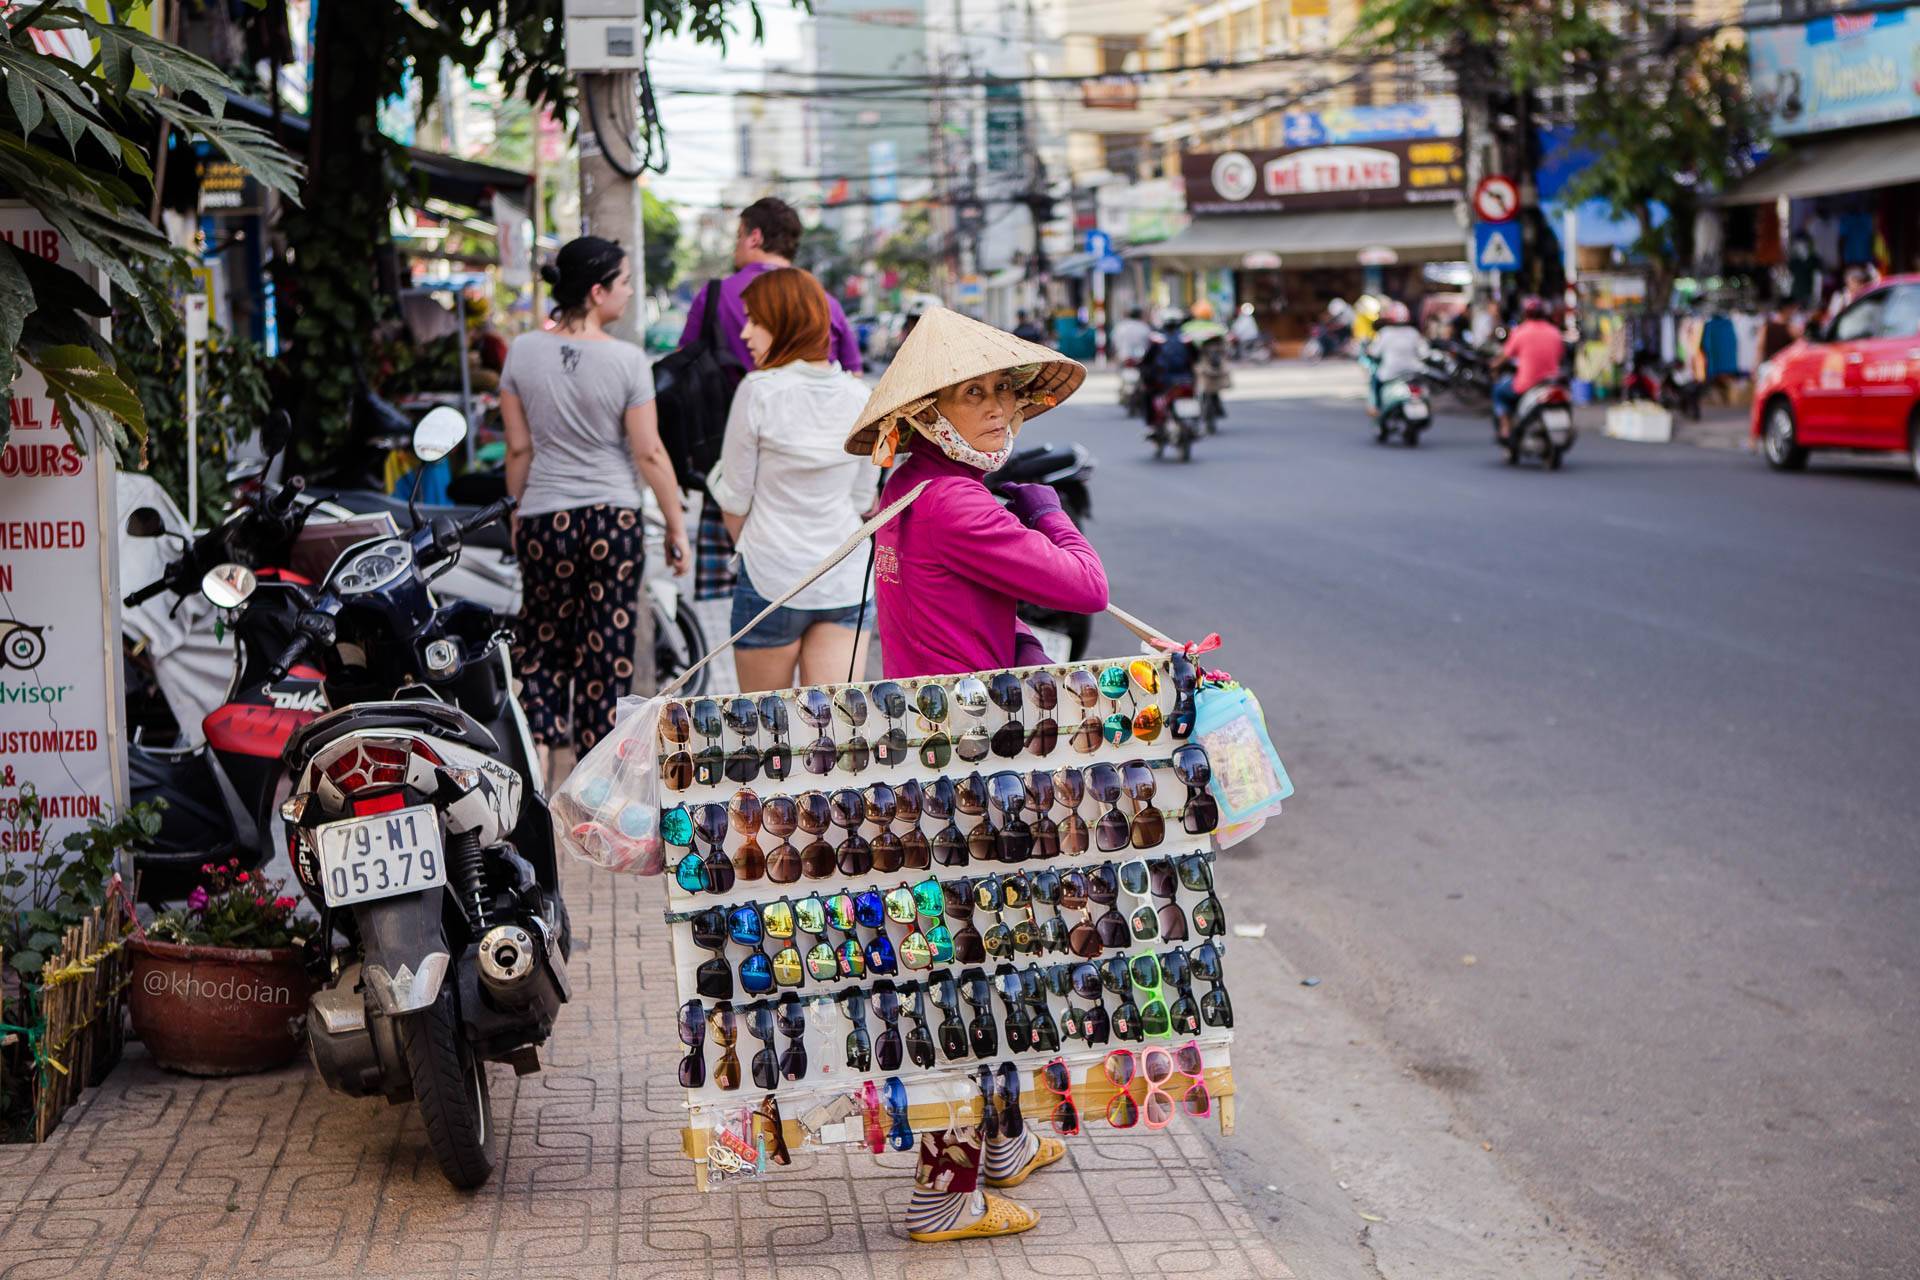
x=581, y=434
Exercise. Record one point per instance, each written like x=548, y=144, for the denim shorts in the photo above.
x=784, y=626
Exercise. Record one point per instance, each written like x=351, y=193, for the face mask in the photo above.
x=955, y=446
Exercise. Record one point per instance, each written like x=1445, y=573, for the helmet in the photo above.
x=1397, y=313
x=1534, y=308
x=1203, y=310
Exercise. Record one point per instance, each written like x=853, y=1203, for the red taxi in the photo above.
x=1854, y=386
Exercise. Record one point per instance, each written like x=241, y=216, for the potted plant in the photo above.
x=220, y=986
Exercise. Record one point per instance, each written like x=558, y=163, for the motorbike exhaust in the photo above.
x=518, y=973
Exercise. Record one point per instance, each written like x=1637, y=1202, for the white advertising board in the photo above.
x=60, y=696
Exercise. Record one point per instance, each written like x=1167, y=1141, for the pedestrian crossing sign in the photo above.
x=1496, y=246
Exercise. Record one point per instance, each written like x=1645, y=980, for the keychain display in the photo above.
x=981, y=899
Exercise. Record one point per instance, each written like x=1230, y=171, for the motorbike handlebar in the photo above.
x=487, y=515
x=145, y=593
x=282, y=502
x=288, y=656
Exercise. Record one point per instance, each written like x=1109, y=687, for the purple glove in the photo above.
x=1029, y=502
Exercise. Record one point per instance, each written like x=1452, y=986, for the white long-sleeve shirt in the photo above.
x=785, y=467
x=1399, y=349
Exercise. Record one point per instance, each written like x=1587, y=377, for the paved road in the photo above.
x=1608, y=826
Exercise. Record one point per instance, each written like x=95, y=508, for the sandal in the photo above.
x=1051, y=1151
x=1002, y=1218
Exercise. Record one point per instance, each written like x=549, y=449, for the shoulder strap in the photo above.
x=1145, y=633
x=708, y=313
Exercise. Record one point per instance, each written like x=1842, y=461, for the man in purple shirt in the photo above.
x=768, y=237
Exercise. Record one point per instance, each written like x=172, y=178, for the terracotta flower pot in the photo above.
x=218, y=1011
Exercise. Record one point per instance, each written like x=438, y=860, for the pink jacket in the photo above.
x=949, y=570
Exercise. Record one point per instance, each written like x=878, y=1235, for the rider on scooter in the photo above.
x=1167, y=366
x=1397, y=349
x=1534, y=349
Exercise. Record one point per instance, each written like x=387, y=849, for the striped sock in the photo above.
x=931, y=1210
x=1007, y=1156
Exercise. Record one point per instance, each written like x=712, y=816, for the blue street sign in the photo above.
x=1099, y=243
x=1496, y=246
x=1112, y=264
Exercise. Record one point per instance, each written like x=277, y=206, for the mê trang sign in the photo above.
x=60, y=686
x=1406, y=171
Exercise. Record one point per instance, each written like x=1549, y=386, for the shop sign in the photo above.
x=1426, y=118
x=1843, y=70
x=1405, y=171
x=225, y=187
x=59, y=624
x=1115, y=93
x=1260, y=260
x=1006, y=128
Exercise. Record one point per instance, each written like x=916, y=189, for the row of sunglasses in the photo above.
x=1166, y=1073
x=1025, y=1021
x=942, y=714
x=925, y=909
x=1022, y=803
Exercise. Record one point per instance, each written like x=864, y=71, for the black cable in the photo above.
x=600, y=134
x=866, y=583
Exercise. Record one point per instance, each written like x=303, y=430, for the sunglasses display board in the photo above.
x=907, y=905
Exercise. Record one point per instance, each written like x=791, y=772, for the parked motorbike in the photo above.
x=1068, y=468
x=489, y=574
x=1669, y=384
x=1542, y=425
x=1405, y=411
x=221, y=783
x=1464, y=368
x=420, y=832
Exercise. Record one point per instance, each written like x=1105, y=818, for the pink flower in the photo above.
x=242, y=877
x=197, y=900
x=286, y=904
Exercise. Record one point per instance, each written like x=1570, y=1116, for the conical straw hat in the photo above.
x=946, y=347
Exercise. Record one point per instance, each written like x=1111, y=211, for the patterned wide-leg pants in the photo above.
x=579, y=587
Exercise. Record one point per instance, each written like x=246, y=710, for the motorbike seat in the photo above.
x=438, y=719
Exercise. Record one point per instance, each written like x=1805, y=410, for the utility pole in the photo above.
x=610, y=208
x=610, y=199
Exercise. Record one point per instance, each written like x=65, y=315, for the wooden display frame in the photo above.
x=946, y=1093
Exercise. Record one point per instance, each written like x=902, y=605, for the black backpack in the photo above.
x=693, y=389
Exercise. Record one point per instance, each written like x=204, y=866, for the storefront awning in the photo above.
x=1322, y=238
x=466, y=182
x=1856, y=160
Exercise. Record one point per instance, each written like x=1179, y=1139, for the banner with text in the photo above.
x=1399, y=172
x=59, y=625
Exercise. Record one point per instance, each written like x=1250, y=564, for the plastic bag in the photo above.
x=607, y=812
x=1248, y=779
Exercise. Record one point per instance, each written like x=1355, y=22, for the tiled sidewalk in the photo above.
x=161, y=1176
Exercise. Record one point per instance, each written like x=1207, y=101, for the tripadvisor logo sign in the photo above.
x=29, y=693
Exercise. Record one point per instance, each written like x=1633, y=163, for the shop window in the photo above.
x=1122, y=152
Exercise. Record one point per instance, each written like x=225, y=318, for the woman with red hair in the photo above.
x=789, y=491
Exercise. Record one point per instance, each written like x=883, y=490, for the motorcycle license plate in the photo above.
x=1187, y=407
x=380, y=857
x=1558, y=423
x=1416, y=410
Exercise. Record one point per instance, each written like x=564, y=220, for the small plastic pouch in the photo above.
x=1248, y=779
x=607, y=812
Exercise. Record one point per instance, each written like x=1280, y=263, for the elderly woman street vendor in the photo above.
x=949, y=572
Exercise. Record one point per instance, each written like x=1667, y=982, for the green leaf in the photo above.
x=26, y=104
x=78, y=376
x=43, y=939
x=17, y=302
x=27, y=962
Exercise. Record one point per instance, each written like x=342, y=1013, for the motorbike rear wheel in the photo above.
x=1186, y=446
x=450, y=1085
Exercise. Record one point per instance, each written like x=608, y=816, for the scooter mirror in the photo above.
x=228, y=585
x=438, y=433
